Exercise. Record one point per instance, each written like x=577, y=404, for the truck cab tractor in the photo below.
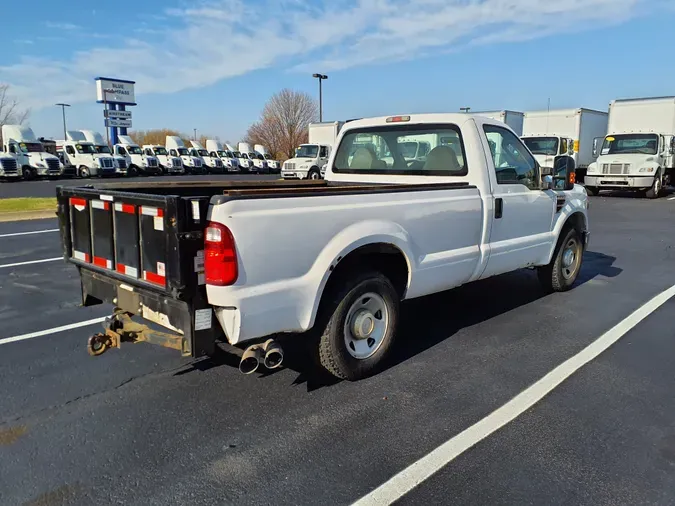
x=137, y=162
x=215, y=148
x=638, y=152
x=350, y=250
x=273, y=165
x=31, y=160
x=176, y=147
x=82, y=156
x=102, y=148
x=9, y=170
x=245, y=163
x=310, y=157
x=212, y=164
x=258, y=161
x=167, y=163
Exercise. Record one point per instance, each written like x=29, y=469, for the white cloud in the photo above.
x=218, y=39
x=24, y=41
x=62, y=26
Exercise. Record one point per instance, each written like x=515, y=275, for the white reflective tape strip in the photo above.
x=149, y=211
x=79, y=255
x=130, y=271
x=108, y=264
x=98, y=204
x=106, y=197
x=118, y=206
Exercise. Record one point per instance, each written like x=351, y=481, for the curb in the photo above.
x=26, y=215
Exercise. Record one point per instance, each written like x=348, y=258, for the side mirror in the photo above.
x=564, y=173
x=596, y=147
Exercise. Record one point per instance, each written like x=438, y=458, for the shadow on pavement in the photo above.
x=427, y=321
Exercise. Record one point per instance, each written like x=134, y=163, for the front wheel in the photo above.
x=83, y=172
x=657, y=186
x=26, y=173
x=362, y=318
x=314, y=174
x=561, y=273
x=132, y=171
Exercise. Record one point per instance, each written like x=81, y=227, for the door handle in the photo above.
x=499, y=208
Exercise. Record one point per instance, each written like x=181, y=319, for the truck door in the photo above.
x=522, y=213
x=70, y=155
x=323, y=155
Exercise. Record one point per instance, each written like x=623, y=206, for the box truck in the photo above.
x=215, y=148
x=29, y=155
x=638, y=151
x=513, y=119
x=311, y=157
x=102, y=148
x=568, y=132
x=137, y=161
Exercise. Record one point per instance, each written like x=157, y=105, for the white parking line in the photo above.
x=30, y=233
x=412, y=476
x=671, y=198
x=18, y=264
x=47, y=332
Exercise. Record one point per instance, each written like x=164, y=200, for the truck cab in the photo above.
x=307, y=162
x=169, y=164
x=215, y=149
x=212, y=164
x=273, y=165
x=258, y=162
x=83, y=157
x=102, y=148
x=137, y=162
x=176, y=147
x=545, y=148
x=29, y=155
x=245, y=163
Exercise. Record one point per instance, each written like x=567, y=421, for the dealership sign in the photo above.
x=115, y=91
x=118, y=123
x=109, y=113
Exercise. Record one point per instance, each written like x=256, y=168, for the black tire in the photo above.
x=26, y=173
x=333, y=354
x=556, y=277
x=592, y=191
x=132, y=171
x=655, y=191
x=314, y=173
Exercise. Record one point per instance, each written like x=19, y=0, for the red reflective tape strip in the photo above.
x=106, y=206
x=160, y=213
x=121, y=268
x=101, y=262
x=128, y=208
x=154, y=278
x=77, y=202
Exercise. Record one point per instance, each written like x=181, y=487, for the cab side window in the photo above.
x=148, y=152
x=324, y=152
x=70, y=150
x=513, y=163
x=173, y=152
x=563, y=146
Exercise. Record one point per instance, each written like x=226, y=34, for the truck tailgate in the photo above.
x=143, y=253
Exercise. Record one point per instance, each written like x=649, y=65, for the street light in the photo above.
x=63, y=110
x=320, y=77
x=195, y=134
x=465, y=109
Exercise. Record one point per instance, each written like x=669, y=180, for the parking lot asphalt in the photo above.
x=47, y=187
x=141, y=425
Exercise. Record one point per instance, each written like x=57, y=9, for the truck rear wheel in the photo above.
x=362, y=316
x=561, y=273
x=657, y=186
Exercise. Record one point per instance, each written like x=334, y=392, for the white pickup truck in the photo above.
x=196, y=258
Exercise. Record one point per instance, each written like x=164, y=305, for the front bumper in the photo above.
x=609, y=181
x=293, y=174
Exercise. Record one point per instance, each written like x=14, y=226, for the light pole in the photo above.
x=63, y=110
x=465, y=109
x=195, y=130
x=105, y=106
x=320, y=77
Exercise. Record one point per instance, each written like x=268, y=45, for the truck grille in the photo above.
x=289, y=166
x=53, y=165
x=177, y=162
x=198, y=162
x=615, y=168
x=122, y=164
x=152, y=162
x=9, y=166
x=219, y=163
x=107, y=163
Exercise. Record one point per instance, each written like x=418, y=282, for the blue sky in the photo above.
x=212, y=64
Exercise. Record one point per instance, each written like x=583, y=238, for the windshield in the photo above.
x=160, y=151
x=645, y=144
x=243, y=155
x=182, y=151
x=268, y=157
x=542, y=145
x=386, y=150
x=255, y=156
x=237, y=154
x=307, y=151
x=203, y=152
x=85, y=149
x=134, y=150
x=31, y=147
x=103, y=150
x=224, y=154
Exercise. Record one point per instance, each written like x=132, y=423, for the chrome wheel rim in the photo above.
x=571, y=258
x=657, y=185
x=366, y=324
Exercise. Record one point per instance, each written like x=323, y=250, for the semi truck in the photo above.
x=102, y=148
x=212, y=161
x=216, y=148
x=564, y=132
x=81, y=156
x=513, y=119
x=638, y=151
x=29, y=155
x=273, y=165
x=259, y=163
x=169, y=164
x=136, y=160
x=245, y=163
x=311, y=157
x=176, y=147
x=187, y=256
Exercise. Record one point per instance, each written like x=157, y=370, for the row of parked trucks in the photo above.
x=85, y=153
x=632, y=146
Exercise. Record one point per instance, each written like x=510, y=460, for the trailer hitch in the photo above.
x=120, y=328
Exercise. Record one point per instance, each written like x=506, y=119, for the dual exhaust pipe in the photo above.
x=271, y=354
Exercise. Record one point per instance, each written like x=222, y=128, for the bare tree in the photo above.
x=157, y=136
x=10, y=110
x=283, y=123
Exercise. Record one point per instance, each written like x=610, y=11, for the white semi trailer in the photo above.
x=513, y=119
x=569, y=132
x=638, y=152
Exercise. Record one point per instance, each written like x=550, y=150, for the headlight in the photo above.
x=40, y=164
x=647, y=169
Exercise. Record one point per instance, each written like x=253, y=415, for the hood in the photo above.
x=635, y=158
x=545, y=160
x=300, y=160
x=41, y=156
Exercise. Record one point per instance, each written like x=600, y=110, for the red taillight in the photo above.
x=220, y=256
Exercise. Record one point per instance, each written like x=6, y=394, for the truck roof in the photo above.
x=196, y=145
x=563, y=112
x=94, y=137
x=18, y=133
x=644, y=99
x=496, y=113
x=126, y=140
x=419, y=119
x=174, y=142
x=213, y=145
x=75, y=136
